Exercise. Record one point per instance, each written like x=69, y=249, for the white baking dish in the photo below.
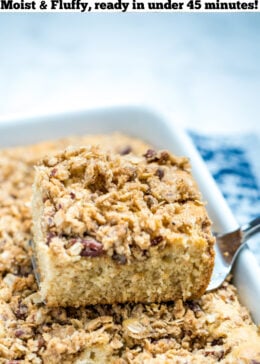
x=162, y=134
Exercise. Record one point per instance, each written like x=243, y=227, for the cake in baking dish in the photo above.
x=213, y=329
x=111, y=228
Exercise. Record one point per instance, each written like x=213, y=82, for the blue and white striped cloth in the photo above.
x=234, y=163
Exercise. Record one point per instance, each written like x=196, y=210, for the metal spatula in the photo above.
x=227, y=248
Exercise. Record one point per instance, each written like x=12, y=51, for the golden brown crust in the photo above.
x=213, y=329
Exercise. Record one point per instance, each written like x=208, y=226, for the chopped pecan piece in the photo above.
x=218, y=341
x=91, y=247
x=21, y=311
x=157, y=240
x=53, y=172
x=50, y=236
x=41, y=342
x=72, y=195
x=128, y=149
x=195, y=307
x=19, y=333
x=160, y=173
x=151, y=155
x=164, y=157
x=218, y=354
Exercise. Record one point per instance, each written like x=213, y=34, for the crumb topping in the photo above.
x=118, y=204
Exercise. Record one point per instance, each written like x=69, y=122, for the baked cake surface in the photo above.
x=212, y=329
x=112, y=228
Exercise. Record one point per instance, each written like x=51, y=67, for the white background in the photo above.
x=201, y=70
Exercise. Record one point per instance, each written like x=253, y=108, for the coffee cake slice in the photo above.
x=112, y=228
